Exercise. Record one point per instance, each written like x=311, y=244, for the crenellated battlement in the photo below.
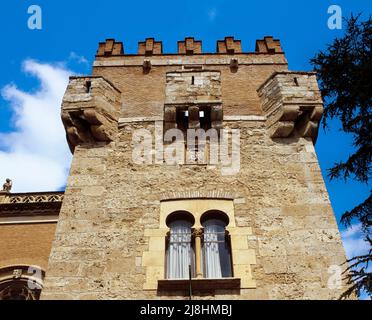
x=229, y=45
x=150, y=47
x=268, y=45
x=178, y=87
x=189, y=46
x=110, y=48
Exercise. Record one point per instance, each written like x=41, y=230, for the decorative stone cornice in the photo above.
x=123, y=121
x=26, y=204
x=292, y=103
x=207, y=59
x=90, y=111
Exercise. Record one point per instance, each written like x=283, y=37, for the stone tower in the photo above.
x=259, y=227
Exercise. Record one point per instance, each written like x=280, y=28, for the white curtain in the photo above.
x=180, y=253
x=216, y=254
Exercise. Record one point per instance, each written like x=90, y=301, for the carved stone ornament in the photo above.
x=90, y=111
x=292, y=104
x=7, y=186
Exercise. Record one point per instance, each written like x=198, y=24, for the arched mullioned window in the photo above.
x=216, y=249
x=206, y=251
x=180, y=250
x=220, y=249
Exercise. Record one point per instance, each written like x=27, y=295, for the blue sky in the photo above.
x=72, y=30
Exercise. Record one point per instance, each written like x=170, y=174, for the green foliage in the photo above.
x=345, y=76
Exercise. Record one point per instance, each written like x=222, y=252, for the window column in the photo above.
x=198, y=234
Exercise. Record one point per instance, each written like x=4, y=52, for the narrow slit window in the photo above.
x=88, y=86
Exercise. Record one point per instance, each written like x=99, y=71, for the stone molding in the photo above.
x=123, y=121
x=197, y=194
x=244, y=118
x=202, y=59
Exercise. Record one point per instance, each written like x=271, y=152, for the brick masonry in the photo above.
x=26, y=244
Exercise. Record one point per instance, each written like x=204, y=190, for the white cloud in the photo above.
x=79, y=59
x=355, y=245
x=353, y=240
x=35, y=155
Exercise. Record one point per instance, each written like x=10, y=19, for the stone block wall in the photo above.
x=279, y=193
